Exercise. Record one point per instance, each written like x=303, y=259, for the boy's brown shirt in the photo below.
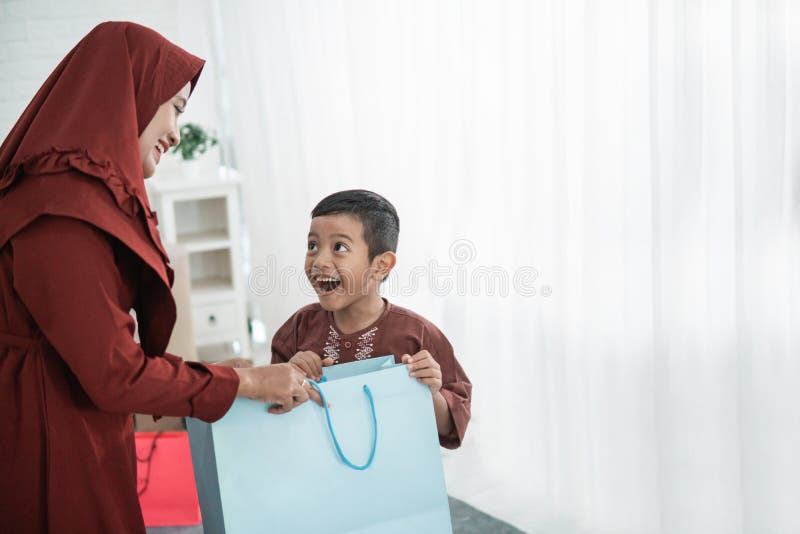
x=397, y=331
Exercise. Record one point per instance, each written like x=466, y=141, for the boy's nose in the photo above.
x=322, y=261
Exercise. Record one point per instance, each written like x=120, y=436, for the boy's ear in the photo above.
x=383, y=264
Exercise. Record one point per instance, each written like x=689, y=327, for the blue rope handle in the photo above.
x=347, y=462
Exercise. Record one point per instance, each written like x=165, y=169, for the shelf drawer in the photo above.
x=214, y=321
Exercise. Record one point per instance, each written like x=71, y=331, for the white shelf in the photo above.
x=206, y=297
x=179, y=183
x=202, y=216
x=205, y=241
x=215, y=352
x=206, y=286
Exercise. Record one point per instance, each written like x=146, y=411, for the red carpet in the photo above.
x=167, y=490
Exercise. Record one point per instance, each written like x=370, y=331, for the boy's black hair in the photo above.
x=380, y=220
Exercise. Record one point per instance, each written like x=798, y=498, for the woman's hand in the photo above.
x=280, y=384
x=240, y=363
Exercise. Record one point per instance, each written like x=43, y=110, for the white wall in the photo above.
x=36, y=34
x=642, y=156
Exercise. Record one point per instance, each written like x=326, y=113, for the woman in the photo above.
x=79, y=249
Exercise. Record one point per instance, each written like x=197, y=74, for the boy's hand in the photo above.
x=425, y=369
x=310, y=363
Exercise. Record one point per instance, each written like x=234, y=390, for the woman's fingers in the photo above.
x=300, y=394
x=297, y=396
x=313, y=394
x=278, y=409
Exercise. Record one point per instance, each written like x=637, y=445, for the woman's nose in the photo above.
x=174, y=136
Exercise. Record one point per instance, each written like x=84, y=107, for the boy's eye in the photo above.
x=312, y=246
x=340, y=247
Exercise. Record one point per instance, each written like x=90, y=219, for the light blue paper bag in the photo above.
x=259, y=472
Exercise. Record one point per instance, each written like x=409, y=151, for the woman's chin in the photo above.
x=148, y=170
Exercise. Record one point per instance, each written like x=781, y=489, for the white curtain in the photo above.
x=633, y=163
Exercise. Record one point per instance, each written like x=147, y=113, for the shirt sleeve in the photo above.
x=283, y=342
x=66, y=274
x=456, y=387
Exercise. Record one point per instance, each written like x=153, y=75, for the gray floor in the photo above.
x=469, y=520
x=466, y=520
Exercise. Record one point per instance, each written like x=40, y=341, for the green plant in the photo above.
x=194, y=141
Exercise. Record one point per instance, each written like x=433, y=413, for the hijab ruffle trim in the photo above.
x=58, y=160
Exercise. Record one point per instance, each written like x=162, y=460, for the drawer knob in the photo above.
x=212, y=319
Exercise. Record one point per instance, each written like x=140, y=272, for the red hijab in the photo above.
x=75, y=152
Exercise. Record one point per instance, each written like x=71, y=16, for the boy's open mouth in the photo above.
x=327, y=284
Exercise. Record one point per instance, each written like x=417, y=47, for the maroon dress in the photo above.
x=79, y=249
x=397, y=331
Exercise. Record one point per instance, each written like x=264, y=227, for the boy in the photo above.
x=351, y=250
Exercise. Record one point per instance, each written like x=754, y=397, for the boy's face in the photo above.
x=337, y=261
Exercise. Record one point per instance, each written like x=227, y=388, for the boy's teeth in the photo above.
x=328, y=283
